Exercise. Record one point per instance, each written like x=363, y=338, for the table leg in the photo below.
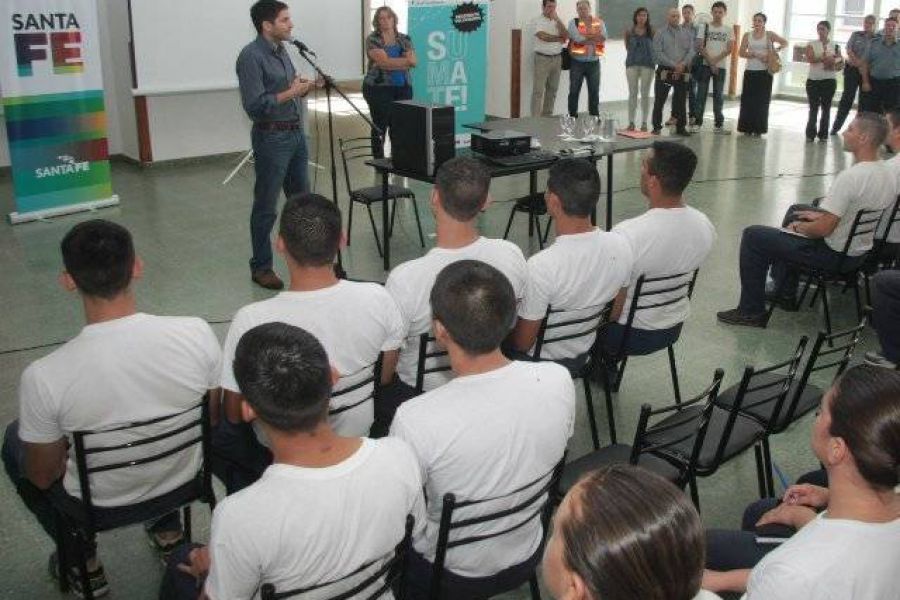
x=532, y=191
x=385, y=219
x=609, y=190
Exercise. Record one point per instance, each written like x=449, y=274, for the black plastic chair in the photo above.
x=759, y=397
x=654, y=292
x=865, y=223
x=390, y=575
x=337, y=394
x=82, y=520
x=359, y=150
x=581, y=323
x=535, y=207
x=885, y=254
x=537, y=505
x=430, y=351
x=669, y=446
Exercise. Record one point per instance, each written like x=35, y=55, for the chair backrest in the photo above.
x=828, y=351
x=191, y=429
x=432, y=359
x=865, y=223
x=368, y=383
x=761, y=395
x=353, y=149
x=656, y=292
x=574, y=324
x=373, y=585
x=892, y=218
x=676, y=427
x=536, y=505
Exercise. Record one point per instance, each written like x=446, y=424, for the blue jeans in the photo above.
x=578, y=72
x=280, y=161
x=718, y=82
x=763, y=247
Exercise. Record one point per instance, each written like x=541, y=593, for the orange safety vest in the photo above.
x=580, y=49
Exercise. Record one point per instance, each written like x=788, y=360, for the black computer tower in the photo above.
x=422, y=136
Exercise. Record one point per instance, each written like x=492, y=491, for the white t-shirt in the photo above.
x=354, y=322
x=831, y=559
x=410, y=284
x=548, y=26
x=114, y=373
x=578, y=274
x=665, y=241
x=893, y=166
x=483, y=436
x=298, y=527
x=817, y=71
x=865, y=185
x=717, y=40
x=757, y=46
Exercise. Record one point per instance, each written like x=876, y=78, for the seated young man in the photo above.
x=496, y=430
x=815, y=236
x=355, y=321
x=580, y=273
x=890, y=240
x=460, y=194
x=670, y=238
x=328, y=504
x=123, y=367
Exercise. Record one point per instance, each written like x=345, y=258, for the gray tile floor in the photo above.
x=192, y=233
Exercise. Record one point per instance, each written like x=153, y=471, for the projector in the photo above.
x=502, y=142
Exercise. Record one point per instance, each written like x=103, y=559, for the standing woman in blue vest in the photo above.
x=391, y=55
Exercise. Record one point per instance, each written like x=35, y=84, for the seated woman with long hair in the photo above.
x=623, y=533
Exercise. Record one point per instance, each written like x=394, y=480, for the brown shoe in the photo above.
x=267, y=279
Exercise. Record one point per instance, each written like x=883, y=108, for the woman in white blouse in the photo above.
x=824, y=58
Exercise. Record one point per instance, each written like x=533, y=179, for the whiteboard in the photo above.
x=191, y=46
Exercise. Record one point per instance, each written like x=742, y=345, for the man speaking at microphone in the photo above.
x=274, y=98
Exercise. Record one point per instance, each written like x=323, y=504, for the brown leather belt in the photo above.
x=278, y=125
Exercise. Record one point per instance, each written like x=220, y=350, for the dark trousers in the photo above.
x=661, y=91
x=238, y=459
x=380, y=98
x=388, y=399
x=693, y=86
x=280, y=162
x=756, y=96
x=718, y=81
x=819, y=94
x=579, y=72
x=457, y=587
x=763, y=247
x=729, y=549
x=885, y=95
x=852, y=81
x=42, y=503
x=886, y=312
x=177, y=585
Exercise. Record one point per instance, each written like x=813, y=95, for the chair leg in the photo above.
x=418, y=220
x=80, y=543
x=547, y=230
x=592, y=419
x=187, y=523
x=375, y=229
x=393, y=204
x=535, y=588
x=823, y=287
x=767, y=465
x=804, y=291
x=674, y=372
x=858, y=298
x=620, y=373
x=760, y=470
x=512, y=214
x=868, y=290
x=695, y=494
x=350, y=221
x=610, y=415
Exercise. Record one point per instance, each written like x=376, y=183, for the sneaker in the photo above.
x=721, y=130
x=164, y=542
x=733, y=317
x=96, y=577
x=876, y=359
x=656, y=131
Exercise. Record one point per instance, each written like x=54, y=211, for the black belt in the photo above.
x=279, y=125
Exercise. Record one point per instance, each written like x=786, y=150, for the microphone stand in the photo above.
x=329, y=86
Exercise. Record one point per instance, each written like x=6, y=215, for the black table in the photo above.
x=544, y=129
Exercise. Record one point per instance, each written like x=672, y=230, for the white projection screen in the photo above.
x=191, y=45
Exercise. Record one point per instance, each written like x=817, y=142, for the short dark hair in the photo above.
x=283, y=373
x=99, y=256
x=719, y=4
x=546, y=2
x=874, y=126
x=463, y=183
x=673, y=164
x=865, y=413
x=475, y=303
x=690, y=6
x=310, y=226
x=891, y=19
x=763, y=16
x=577, y=184
x=825, y=23
x=629, y=533
x=265, y=10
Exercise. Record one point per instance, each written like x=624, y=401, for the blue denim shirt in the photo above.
x=884, y=60
x=265, y=70
x=639, y=51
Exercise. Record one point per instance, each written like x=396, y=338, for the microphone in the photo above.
x=303, y=48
